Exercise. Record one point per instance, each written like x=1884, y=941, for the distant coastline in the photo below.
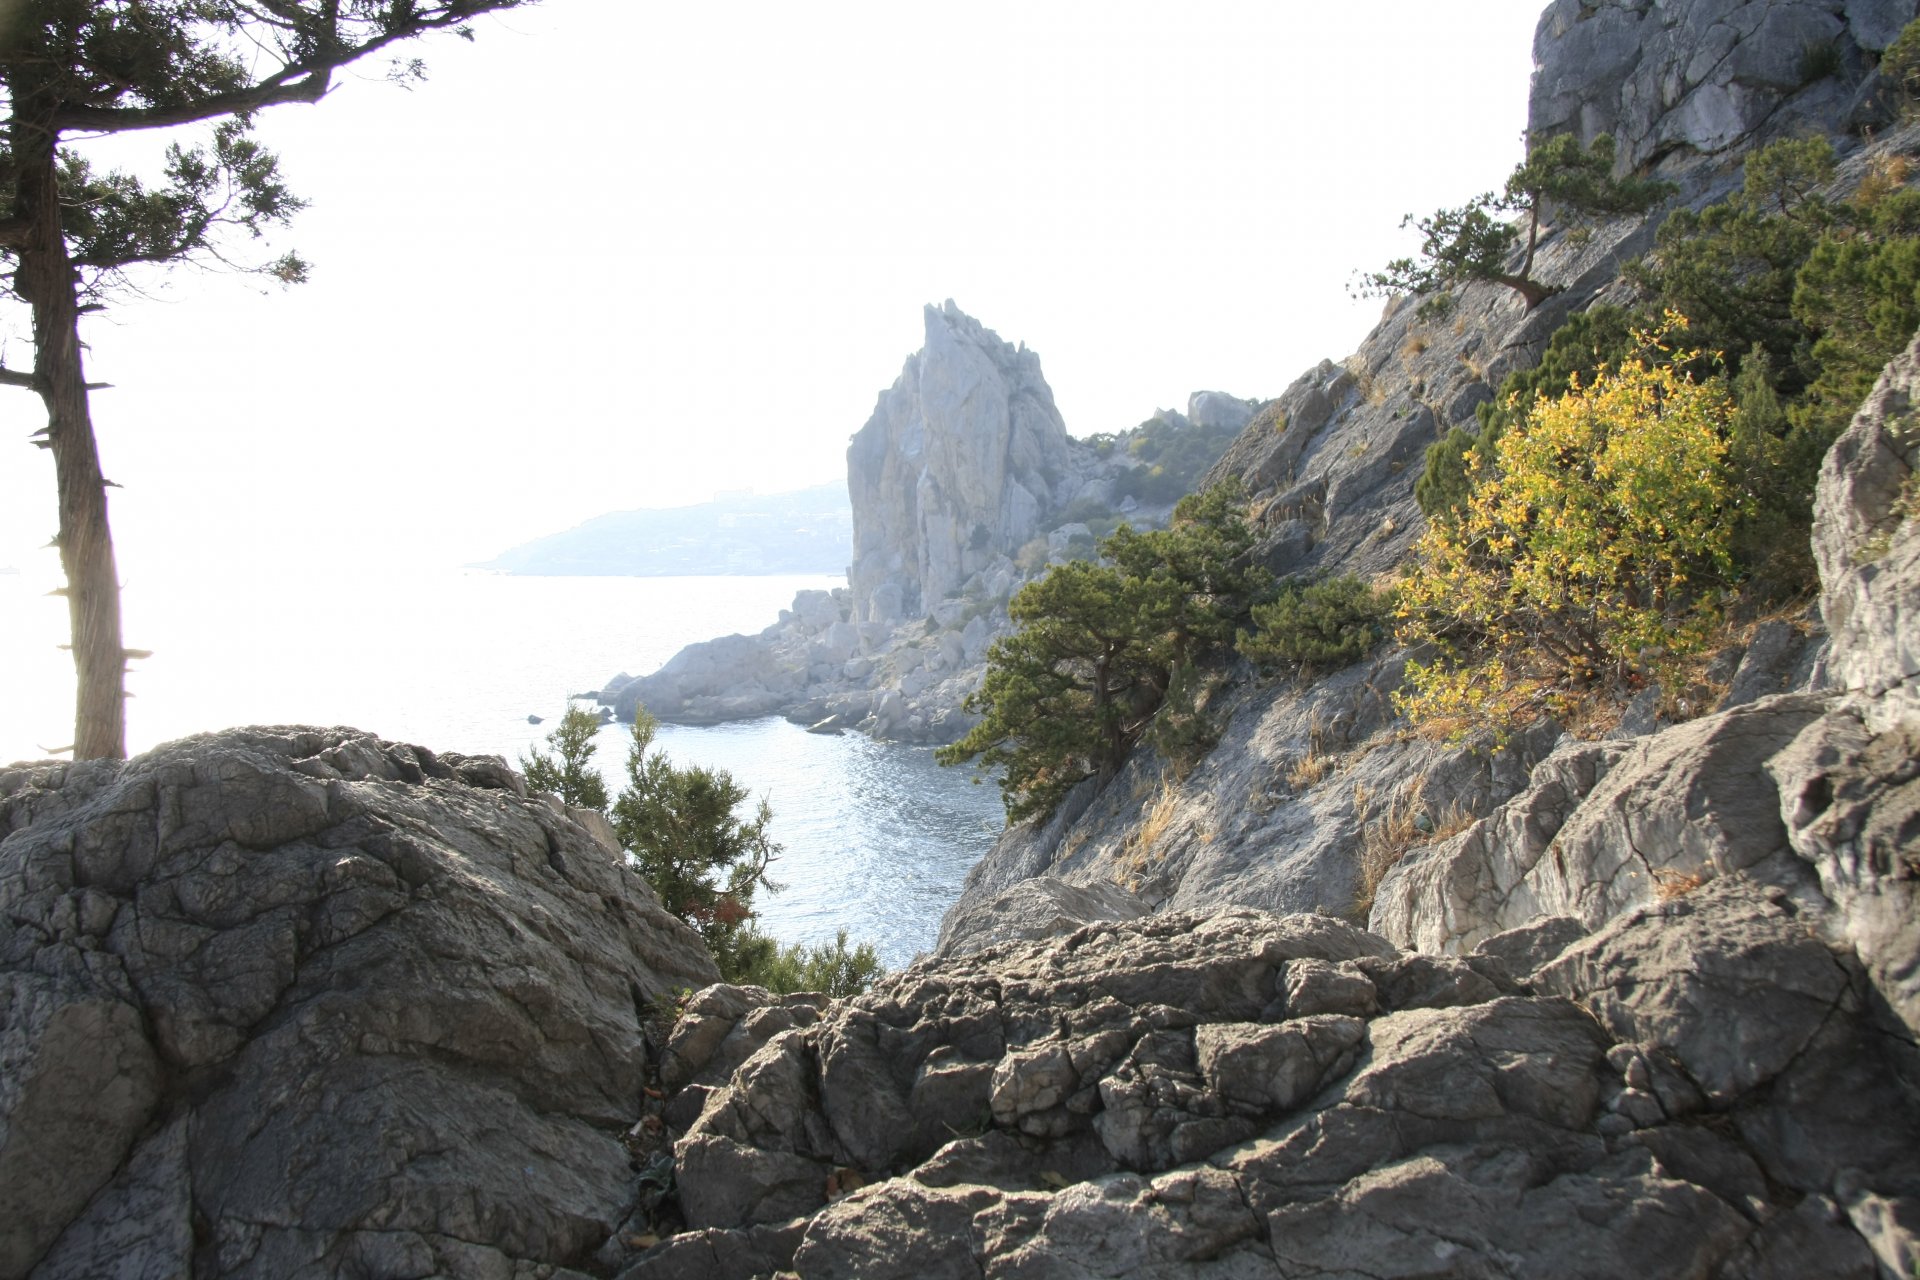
x=735, y=535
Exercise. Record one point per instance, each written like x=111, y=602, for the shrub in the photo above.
x=836, y=970
x=1900, y=64
x=1599, y=538
x=1317, y=624
x=569, y=772
x=682, y=828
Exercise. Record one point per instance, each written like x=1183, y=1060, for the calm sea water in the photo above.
x=877, y=838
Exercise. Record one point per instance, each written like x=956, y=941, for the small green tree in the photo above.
x=1478, y=240
x=1317, y=625
x=568, y=772
x=1098, y=649
x=76, y=72
x=1730, y=268
x=684, y=832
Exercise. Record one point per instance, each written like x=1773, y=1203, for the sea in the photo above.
x=876, y=839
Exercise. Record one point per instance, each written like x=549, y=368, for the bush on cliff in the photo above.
x=682, y=827
x=569, y=771
x=1317, y=625
x=1068, y=694
x=1599, y=542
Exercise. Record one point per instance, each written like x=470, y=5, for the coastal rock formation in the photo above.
x=1316, y=785
x=962, y=459
x=1249, y=1095
x=302, y=1002
x=1803, y=789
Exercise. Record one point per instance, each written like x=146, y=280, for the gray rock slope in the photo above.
x=301, y=1002
x=1314, y=780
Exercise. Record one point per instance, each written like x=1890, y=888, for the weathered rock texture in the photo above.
x=962, y=458
x=1826, y=783
x=301, y=1002
x=1694, y=1091
x=1695, y=81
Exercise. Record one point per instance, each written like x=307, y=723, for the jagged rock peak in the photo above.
x=1704, y=78
x=961, y=461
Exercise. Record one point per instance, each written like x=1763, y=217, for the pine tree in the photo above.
x=70, y=234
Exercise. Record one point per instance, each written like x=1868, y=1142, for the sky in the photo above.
x=616, y=254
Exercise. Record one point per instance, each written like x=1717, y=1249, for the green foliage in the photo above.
x=1808, y=298
x=1599, y=336
x=1172, y=458
x=836, y=970
x=1900, y=64
x=683, y=831
x=1098, y=644
x=1731, y=268
x=1317, y=625
x=568, y=771
x=1181, y=731
x=1477, y=241
x=1859, y=291
x=1601, y=537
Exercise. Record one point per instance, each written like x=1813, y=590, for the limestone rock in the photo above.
x=1866, y=539
x=1138, y=1100
x=1623, y=826
x=281, y=1002
x=1041, y=907
x=1703, y=78
x=962, y=458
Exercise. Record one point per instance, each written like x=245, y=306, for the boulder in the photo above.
x=280, y=1002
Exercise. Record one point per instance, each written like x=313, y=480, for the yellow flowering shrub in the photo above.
x=1594, y=543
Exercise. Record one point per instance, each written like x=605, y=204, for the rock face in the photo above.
x=1697, y=80
x=302, y=1002
x=963, y=457
x=1315, y=779
x=1249, y=1095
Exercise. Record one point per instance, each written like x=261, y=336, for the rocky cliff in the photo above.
x=1314, y=781
x=299, y=1002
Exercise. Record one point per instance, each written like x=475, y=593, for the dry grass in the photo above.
x=1156, y=818
x=1669, y=884
x=1311, y=769
x=1886, y=174
x=1364, y=381
x=1406, y=823
x=1415, y=345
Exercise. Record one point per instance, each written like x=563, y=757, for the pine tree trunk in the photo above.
x=47, y=280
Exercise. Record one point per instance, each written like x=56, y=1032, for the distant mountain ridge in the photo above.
x=805, y=531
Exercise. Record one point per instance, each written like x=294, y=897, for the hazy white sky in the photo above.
x=618, y=253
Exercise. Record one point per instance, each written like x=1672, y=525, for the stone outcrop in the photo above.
x=963, y=458
x=1313, y=779
x=1696, y=1090
x=302, y=1002
x=1698, y=81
